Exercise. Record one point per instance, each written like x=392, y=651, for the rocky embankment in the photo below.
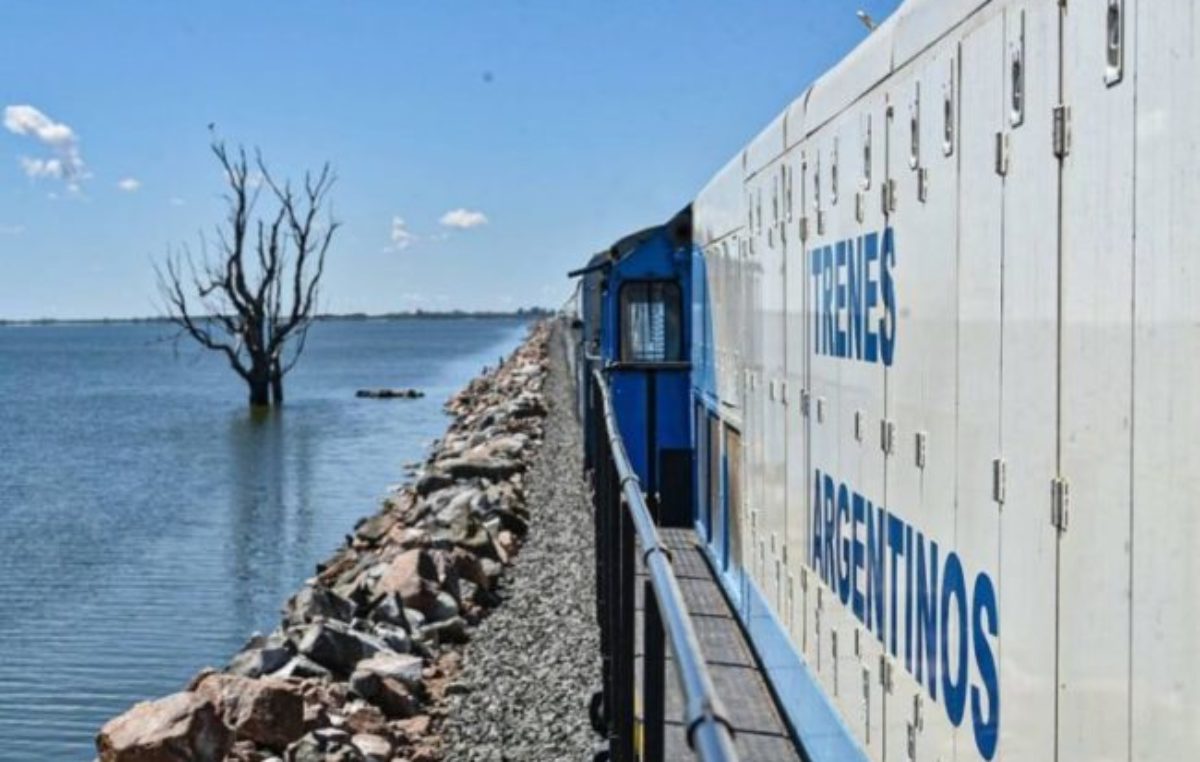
x=366, y=662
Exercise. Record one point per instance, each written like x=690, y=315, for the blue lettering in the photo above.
x=987, y=730
x=908, y=598
x=815, y=269
x=843, y=518
x=927, y=601
x=827, y=298
x=875, y=542
x=887, y=326
x=856, y=549
x=954, y=684
x=870, y=297
x=895, y=548
x=827, y=567
x=854, y=283
x=815, y=551
x=858, y=511
x=839, y=278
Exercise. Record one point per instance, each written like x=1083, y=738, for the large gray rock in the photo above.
x=457, y=507
x=336, y=647
x=393, y=697
x=432, y=481
x=493, y=468
x=452, y=630
x=395, y=638
x=509, y=446
x=444, y=607
x=262, y=655
x=374, y=529
x=182, y=726
x=468, y=533
x=314, y=603
x=403, y=667
x=324, y=745
x=375, y=748
x=389, y=610
x=301, y=667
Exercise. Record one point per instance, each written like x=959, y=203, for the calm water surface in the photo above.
x=148, y=523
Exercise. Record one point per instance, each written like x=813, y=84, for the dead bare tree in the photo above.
x=254, y=298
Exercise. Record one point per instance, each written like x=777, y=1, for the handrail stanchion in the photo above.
x=622, y=517
x=653, y=677
x=626, y=717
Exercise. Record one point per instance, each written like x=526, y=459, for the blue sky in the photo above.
x=512, y=139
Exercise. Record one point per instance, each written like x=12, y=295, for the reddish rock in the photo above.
x=374, y=529
x=412, y=575
x=180, y=726
x=508, y=541
x=329, y=572
x=267, y=711
x=388, y=693
x=414, y=727
x=425, y=754
x=361, y=717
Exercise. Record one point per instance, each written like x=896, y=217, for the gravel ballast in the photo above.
x=530, y=667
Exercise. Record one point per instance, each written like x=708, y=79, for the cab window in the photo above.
x=651, y=324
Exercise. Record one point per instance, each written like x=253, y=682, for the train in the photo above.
x=921, y=365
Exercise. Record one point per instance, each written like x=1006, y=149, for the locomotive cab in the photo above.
x=641, y=338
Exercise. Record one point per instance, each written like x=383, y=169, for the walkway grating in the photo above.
x=761, y=733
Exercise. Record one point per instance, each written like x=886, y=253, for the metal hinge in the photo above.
x=999, y=479
x=1001, y=153
x=1062, y=131
x=922, y=447
x=887, y=196
x=805, y=397
x=886, y=678
x=804, y=228
x=887, y=436
x=1060, y=503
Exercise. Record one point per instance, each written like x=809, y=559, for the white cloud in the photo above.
x=38, y=168
x=66, y=161
x=402, y=237
x=129, y=184
x=11, y=229
x=463, y=219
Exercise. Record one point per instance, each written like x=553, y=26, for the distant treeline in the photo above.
x=523, y=312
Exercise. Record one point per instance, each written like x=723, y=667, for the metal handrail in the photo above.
x=709, y=733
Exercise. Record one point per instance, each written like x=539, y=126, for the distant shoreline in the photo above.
x=531, y=313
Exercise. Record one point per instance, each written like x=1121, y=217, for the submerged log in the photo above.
x=389, y=394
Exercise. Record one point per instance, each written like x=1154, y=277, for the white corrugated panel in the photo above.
x=1095, y=430
x=1029, y=437
x=1166, y=379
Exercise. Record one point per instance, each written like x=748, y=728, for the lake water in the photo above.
x=149, y=523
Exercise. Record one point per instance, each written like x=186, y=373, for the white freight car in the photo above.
x=953, y=365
